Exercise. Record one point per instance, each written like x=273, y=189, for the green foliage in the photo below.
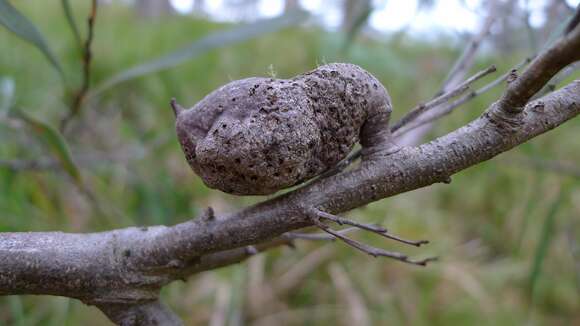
x=210, y=42
x=13, y=20
x=55, y=142
x=71, y=21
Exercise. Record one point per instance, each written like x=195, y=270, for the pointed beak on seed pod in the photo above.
x=177, y=109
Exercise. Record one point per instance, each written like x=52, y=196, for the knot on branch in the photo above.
x=505, y=121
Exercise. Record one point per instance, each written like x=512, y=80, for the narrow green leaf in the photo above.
x=14, y=21
x=215, y=40
x=546, y=236
x=71, y=21
x=51, y=137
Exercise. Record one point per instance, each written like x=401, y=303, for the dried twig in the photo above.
x=443, y=98
x=78, y=98
x=465, y=61
x=317, y=216
x=573, y=22
x=457, y=103
x=316, y=236
x=458, y=72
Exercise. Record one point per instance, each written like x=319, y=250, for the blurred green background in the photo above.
x=507, y=231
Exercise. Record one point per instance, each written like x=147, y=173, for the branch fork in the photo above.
x=505, y=121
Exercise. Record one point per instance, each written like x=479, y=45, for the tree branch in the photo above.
x=408, y=169
x=564, y=52
x=129, y=266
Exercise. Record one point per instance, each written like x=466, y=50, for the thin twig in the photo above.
x=368, y=227
x=464, y=62
x=77, y=101
x=561, y=76
x=456, y=91
x=317, y=216
x=373, y=251
x=459, y=70
x=460, y=101
x=315, y=236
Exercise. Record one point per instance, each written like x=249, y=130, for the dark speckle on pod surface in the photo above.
x=256, y=136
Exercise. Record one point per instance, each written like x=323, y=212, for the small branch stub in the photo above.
x=177, y=109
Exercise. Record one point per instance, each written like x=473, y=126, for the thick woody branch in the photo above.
x=91, y=267
x=564, y=52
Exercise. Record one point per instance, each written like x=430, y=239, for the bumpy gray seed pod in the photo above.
x=256, y=136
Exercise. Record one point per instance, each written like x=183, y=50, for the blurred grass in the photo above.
x=486, y=226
